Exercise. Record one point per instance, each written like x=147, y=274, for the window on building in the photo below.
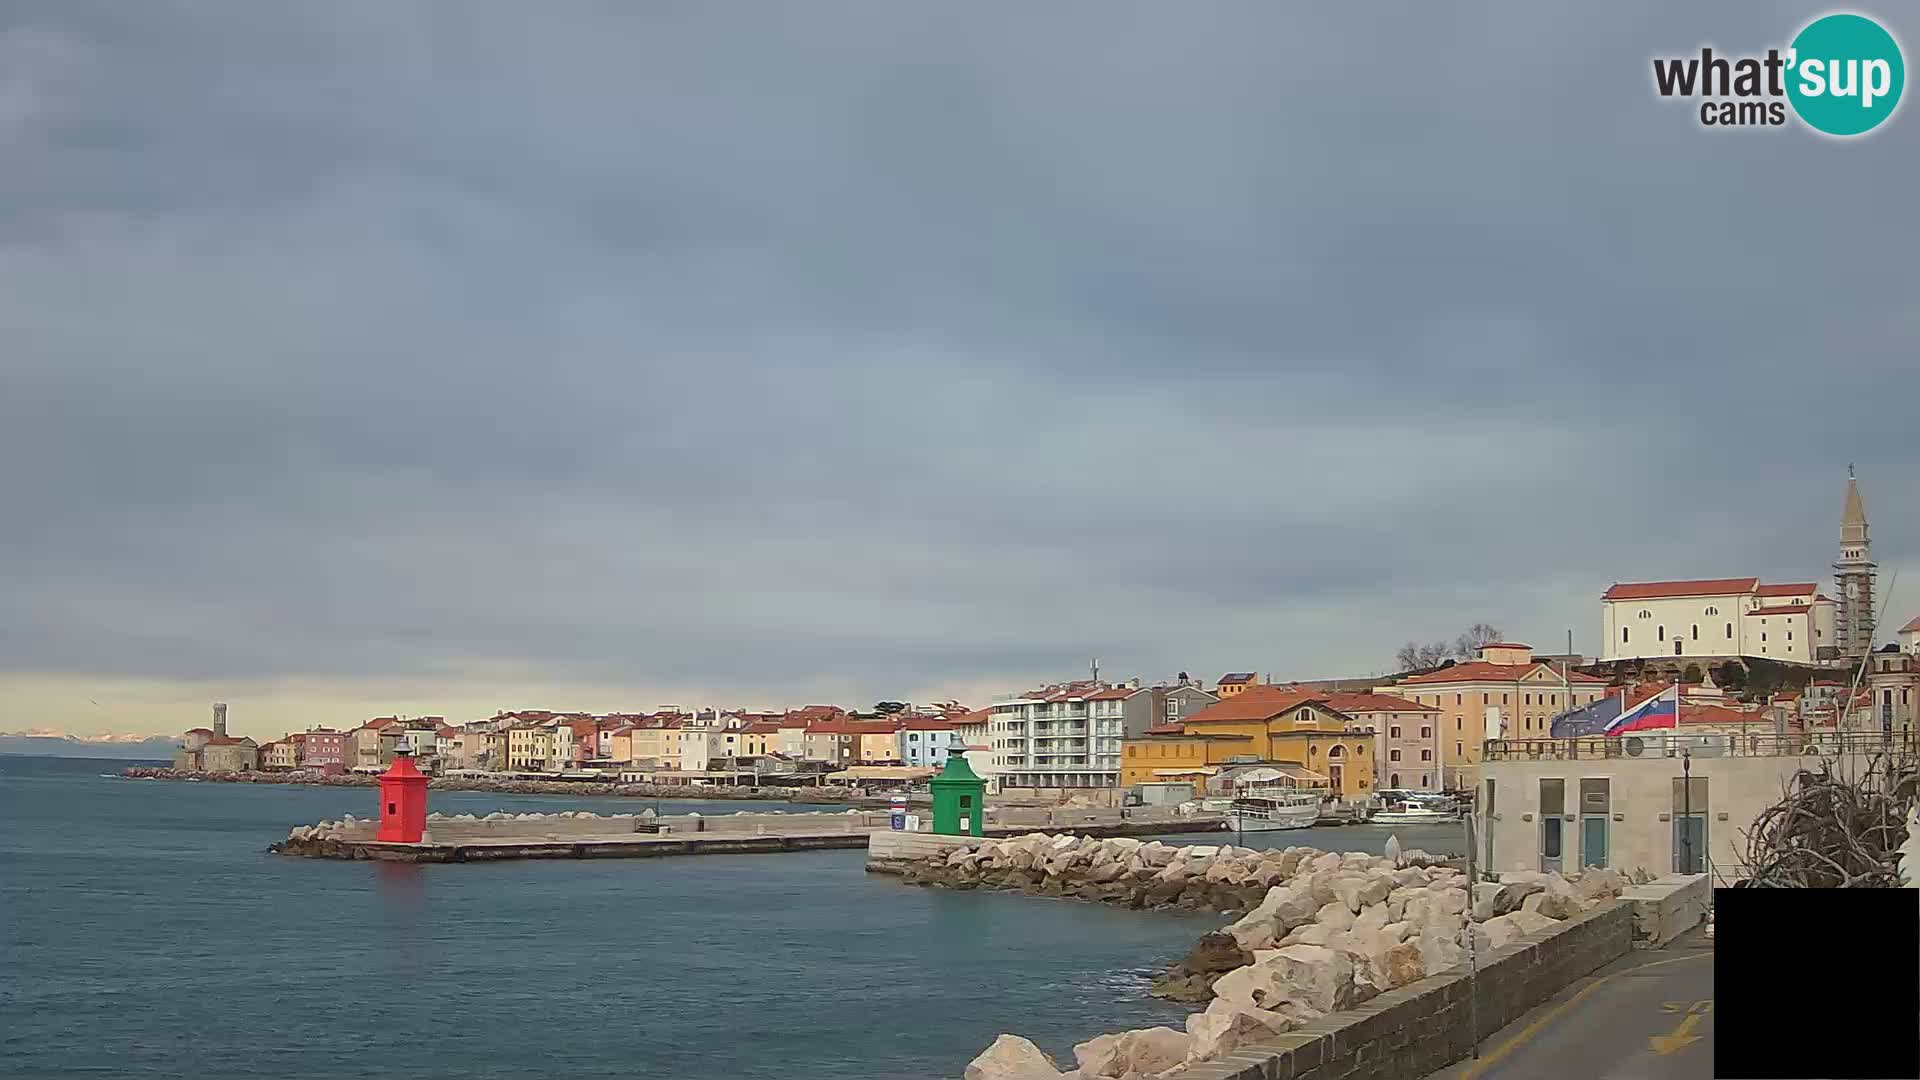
x=1713, y=610
x=1393, y=732
x=1456, y=723
x=1763, y=635
x=1660, y=632
x=1393, y=780
x=1527, y=699
x=1789, y=635
x=1729, y=631
x=1623, y=635
x=1426, y=732
x=1459, y=750
x=1423, y=779
x=1645, y=614
x=1426, y=755
x=1503, y=699
x=1393, y=755
x=1696, y=631
x=1486, y=699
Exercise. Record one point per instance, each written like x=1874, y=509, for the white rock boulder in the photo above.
x=1011, y=1058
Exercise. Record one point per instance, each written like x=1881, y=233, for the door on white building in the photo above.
x=1689, y=825
x=1595, y=812
x=1553, y=809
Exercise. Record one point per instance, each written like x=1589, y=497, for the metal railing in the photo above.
x=1701, y=745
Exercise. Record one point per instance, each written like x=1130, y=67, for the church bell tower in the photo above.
x=1853, y=575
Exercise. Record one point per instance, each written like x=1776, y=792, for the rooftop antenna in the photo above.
x=1096, y=669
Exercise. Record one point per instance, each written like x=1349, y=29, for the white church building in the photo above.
x=1719, y=617
x=1727, y=617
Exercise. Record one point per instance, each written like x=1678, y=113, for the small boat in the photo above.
x=1416, y=811
x=1272, y=811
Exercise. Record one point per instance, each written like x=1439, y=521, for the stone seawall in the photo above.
x=1410, y=1032
x=1317, y=936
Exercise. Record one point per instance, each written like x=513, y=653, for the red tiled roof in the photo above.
x=977, y=716
x=762, y=727
x=1175, y=728
x=1485, y=671
x=1366, y=703
x=1783, y=609
x=1654, y=590
x=1114, y=693
x=584, y=727
x=199, y=731
x=844, y=726
x=379, y=722
x=1787, y=590
x=812, y=713
x=1911, y=628
x=223, y=740
x=1255, y=703
x=926, y=723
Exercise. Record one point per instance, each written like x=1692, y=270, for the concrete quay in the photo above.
x=587, y=836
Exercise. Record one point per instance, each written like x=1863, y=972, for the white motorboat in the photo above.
x=1272, y=811
x=1416, y=811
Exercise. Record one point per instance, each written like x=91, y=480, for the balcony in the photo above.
x=1666, y=744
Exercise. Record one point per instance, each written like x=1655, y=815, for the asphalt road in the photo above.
x=1646, y=1016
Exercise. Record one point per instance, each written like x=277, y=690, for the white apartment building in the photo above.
x=1070, y=735
x=1717, y=617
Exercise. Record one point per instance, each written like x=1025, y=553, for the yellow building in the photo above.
x=529, y=748
x=283, y=754
x=1505, y=694
x=1271, y=724
x=658, y=744
x=759, y=738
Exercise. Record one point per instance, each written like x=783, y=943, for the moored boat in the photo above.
x=1272, y=811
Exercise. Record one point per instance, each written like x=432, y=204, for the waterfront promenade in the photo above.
x=1647, y=1015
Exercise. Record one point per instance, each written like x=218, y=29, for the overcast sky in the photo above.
x=385, y=357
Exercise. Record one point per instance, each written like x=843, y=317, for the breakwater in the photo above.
x=1315, y=935
x=584, y=835
x=504, y=786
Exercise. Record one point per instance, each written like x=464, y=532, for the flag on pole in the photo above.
x=1662, y=710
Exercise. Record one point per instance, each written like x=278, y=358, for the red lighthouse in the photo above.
x=403, y=802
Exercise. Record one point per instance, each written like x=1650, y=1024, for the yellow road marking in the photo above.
x=1679, y=1039
x=1687, y=1006
x=1520, y=1038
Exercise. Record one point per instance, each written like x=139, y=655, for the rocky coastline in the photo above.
x=824, y=794
x=1314, y=933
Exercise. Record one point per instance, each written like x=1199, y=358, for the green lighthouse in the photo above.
x=958, y=799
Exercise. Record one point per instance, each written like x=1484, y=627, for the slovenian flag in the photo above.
x=1662, y=710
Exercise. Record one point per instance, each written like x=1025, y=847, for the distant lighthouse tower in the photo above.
x=1853, y=575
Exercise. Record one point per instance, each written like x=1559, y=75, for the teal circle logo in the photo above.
x=1845, y=74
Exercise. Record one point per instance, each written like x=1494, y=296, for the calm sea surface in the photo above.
x=147, y=933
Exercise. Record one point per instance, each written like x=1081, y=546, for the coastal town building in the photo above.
x=373, y=744
x=280, y=754
x=1289, y=727
x=1892, y=694
x=1504, y=693
x=1909, y=637
x=1721, y=617
x=529, y=747
x=1071, y=735
x=1406, y=738
x=925, y=742
x=320, y=748
x=224, y=754
x=1636, y=803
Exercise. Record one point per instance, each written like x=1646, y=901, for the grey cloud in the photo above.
x=885, y=346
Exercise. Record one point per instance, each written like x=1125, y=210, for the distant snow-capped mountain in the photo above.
x=49, y=743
